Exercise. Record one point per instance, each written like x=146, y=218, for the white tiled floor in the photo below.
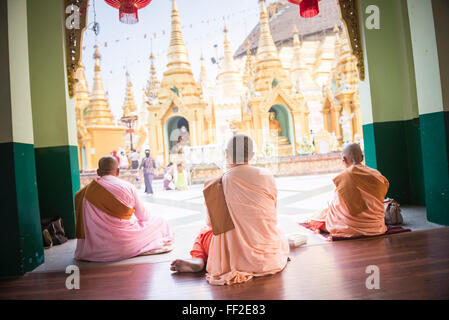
x=315, y=203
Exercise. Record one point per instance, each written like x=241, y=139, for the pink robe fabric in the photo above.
x=339, y=222
x=112, y=239
x=256, y=247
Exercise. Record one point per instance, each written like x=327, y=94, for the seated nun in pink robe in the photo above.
x=253, y=245
x=112, y=222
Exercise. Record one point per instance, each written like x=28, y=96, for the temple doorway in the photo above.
x=281, y=129
x=177, y=135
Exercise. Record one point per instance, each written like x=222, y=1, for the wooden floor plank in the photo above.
x=412, y=266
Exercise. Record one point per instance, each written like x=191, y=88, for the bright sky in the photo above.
x=127, y=47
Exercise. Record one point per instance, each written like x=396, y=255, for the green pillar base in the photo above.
x=22, y=249
x=57, y=181
x=435, y=150
x=394, y=149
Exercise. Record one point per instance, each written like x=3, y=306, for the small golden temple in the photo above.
x=293, y=91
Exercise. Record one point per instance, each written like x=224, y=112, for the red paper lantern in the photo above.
x=128, y=9
x=307, y=8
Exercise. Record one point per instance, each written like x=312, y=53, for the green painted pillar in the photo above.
x=21, y=240
x=53, y=112
x=391, y=124
x=429, y=26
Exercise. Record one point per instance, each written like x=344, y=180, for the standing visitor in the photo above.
x=148, y=165
x=181, y=178
x=134, y=157
x=114, y=154
x=124, y=163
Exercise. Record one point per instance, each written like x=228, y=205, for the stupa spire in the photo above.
x=229, y=78
x=177, y=51
x=248, y=74
x=296, y=62
x=267, y=49
x=81, y=88
x=178, y=78
x=98, y=112
x=203, y=73
x=228, y=60
x=129, y=106
x=152, y=89
x=269, y=69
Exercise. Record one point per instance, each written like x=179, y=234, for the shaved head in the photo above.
x=352, y=154
x=240, y=149
x=108, y=165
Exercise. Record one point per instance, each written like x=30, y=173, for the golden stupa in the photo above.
x=98, y=135
x=294, y=91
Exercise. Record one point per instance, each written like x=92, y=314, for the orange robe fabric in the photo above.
x=256, y=247
x=357, y=207
x=202, y=244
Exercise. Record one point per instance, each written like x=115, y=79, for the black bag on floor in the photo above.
x=53, y=232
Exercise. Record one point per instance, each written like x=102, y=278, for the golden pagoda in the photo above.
x=274, y=107
x=129, y=106
x=102, y=135
x=81, y=102
x=297, y=65
x=248, y=73
x=228, y=96
x=286, y=96
x=151, y=91
x=130, y=118
x=180, y=108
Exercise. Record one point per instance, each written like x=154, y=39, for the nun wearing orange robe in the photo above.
x=357, y=207
x=255, y=247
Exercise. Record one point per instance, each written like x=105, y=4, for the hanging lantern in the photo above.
x=128, y=9
x=307, y=8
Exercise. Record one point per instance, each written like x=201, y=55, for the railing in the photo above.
x=204, y=155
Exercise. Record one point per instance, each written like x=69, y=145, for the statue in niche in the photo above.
x=275, y=125
x=185, y=135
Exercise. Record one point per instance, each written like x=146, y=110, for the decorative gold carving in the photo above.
x=350, y=16
x=73, y=40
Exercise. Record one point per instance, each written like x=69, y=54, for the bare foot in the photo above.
x=188, y=265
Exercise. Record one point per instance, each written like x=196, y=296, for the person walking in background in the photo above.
x=148, y=165
x=134, y=157
x=114, y=154
x=124, y=163
x=168, y=177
